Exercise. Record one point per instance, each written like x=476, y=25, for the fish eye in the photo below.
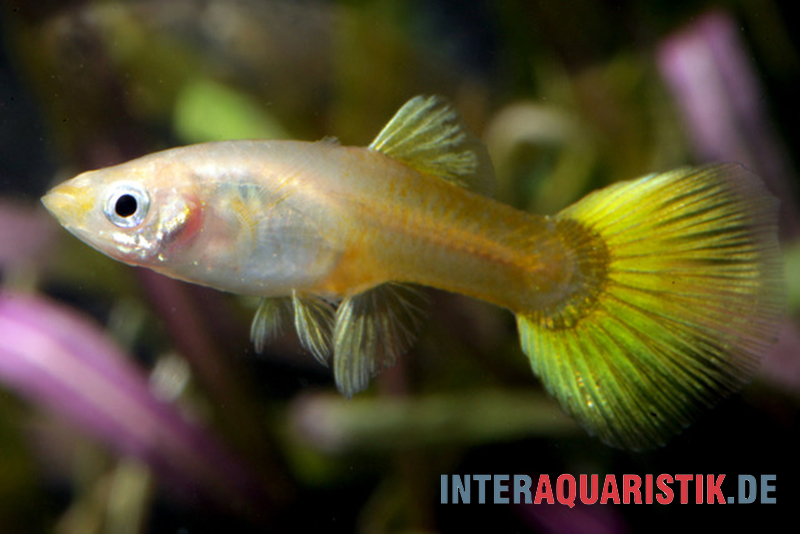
x=127, y=205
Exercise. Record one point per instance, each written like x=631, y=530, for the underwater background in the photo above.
x=130, y=402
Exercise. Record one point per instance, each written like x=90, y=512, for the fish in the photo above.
x=639, y=306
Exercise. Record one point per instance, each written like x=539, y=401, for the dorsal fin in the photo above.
x=429, y=135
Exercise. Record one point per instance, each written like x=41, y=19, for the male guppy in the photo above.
x=637, y=306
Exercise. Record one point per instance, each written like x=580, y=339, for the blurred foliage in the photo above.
x=567, y=96
x=208, y=111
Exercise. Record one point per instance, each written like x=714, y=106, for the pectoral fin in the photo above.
x=372, y=329
x=271, y=318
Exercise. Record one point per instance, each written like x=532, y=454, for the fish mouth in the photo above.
x=68, y=203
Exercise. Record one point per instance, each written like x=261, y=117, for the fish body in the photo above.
x=636, y=306
x=341, y=220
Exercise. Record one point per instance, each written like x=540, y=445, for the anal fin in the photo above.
x=372, y=329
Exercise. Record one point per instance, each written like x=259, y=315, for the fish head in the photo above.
x=132, y=212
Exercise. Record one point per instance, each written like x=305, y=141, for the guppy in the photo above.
x=637, y=306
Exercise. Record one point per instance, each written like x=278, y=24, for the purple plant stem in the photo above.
x=721, y=100
x=63, y=362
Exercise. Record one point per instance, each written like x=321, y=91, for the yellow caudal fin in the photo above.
x=678, y=295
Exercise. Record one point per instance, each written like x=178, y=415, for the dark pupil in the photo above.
x=125, y=206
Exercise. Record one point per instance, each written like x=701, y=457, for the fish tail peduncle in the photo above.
x=674, y=297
